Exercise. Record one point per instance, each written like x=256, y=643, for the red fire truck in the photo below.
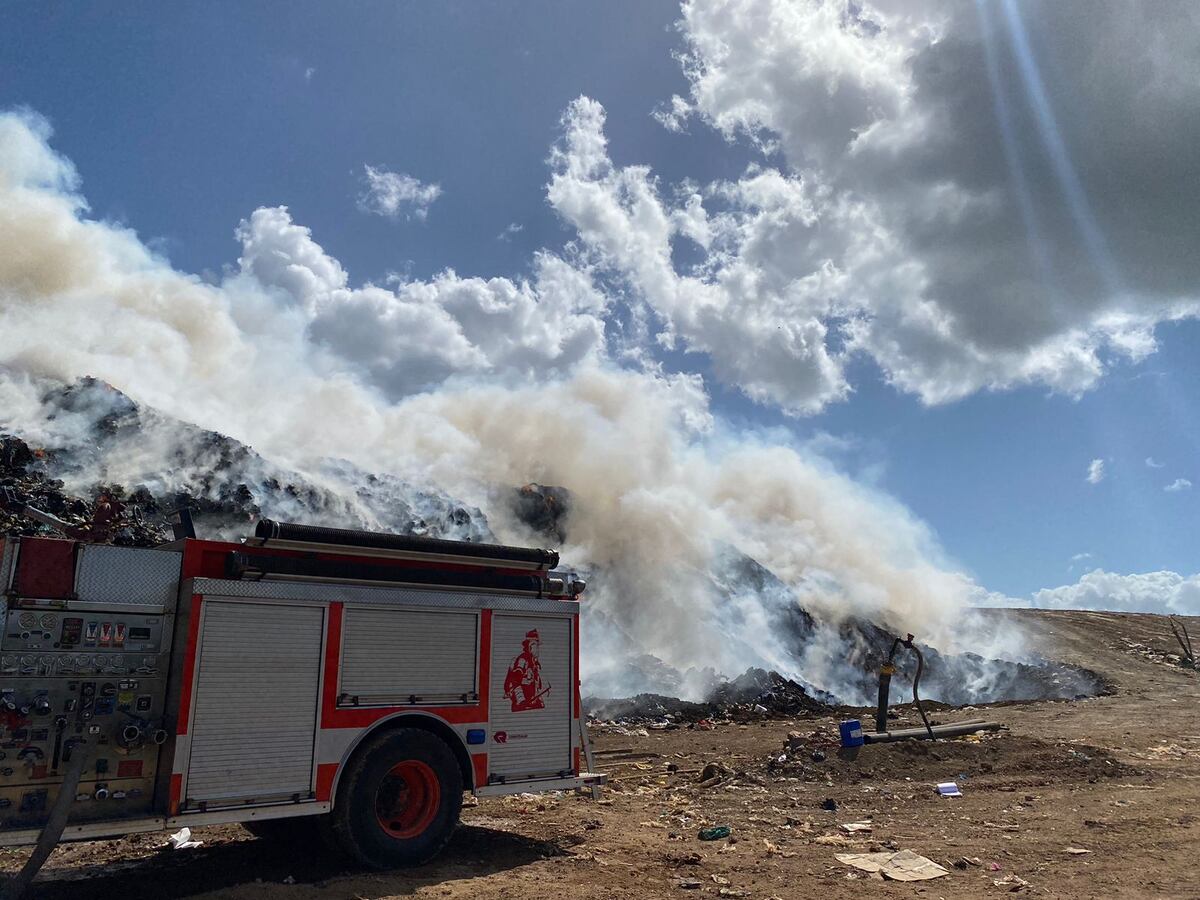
x=363, y=678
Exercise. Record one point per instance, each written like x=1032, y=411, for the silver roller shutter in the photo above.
x=390, y=655
x=255, y=715
x=536, y=740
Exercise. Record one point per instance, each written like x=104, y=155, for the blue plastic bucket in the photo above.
x=852, y=735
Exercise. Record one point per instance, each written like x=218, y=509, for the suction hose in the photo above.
x=885, y=684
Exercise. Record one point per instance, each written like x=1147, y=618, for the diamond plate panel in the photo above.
x=128, y=575
x=378, y=596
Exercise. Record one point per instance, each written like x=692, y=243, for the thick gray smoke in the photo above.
x=498, y=383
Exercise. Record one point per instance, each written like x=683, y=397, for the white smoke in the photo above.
x=476, y=386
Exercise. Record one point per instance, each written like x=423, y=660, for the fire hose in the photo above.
x=885, y=684
x=77, y=756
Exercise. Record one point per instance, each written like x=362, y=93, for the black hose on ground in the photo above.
x=53, y=829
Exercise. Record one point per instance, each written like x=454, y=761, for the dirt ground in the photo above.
x=1115, y=776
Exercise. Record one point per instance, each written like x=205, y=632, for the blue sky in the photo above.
x=182, y=120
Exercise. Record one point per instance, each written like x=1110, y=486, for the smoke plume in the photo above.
x=475, y=386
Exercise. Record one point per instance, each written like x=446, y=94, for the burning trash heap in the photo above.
x=113, y=471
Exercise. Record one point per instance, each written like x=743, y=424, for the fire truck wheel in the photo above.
x=398, y=800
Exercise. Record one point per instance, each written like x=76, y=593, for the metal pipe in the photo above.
x=934, y=732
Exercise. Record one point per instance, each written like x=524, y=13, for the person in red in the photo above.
x=523, y=683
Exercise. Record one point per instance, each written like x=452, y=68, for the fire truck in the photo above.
x=363, y=679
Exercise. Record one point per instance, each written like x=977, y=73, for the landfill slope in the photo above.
x=1112, y=775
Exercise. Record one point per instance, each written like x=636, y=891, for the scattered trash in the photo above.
x=818, y=756
x=948, y=789
x=830, y=804
x=852, y=733
x=182, y=840
x=994, y=867
x=856, y=827
x=1012, y=882
x=689, y=884
x=1076, y=851
x=904, y=865
x=715, y=833
x=289, y=880
x=964, y=861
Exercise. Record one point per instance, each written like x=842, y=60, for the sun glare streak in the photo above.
x=1060, y=158
x=1012, y=152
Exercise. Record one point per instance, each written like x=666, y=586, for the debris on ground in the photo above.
x=904, y=865
x=182, y=840
x=715, y=833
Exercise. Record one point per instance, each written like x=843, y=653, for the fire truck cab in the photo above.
x=363, y=678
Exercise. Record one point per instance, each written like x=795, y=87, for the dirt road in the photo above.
x=1116, y=776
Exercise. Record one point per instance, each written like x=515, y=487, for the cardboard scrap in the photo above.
x=904, y=865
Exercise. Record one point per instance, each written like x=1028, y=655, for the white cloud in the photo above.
x=394, y=194
x=1152, y=464
x=1179, y=484
x=415, y=334
x=309, y=73
x=961, y=224
x=510, y=230
x=759, y=315
x=1157, y=592
x=1095, y=472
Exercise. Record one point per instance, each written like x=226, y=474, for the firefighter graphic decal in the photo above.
x=523, y=683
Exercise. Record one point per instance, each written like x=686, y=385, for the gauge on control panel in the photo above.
x=49, y=620
x=28, y=620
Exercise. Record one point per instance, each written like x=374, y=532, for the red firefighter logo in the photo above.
x=523, y=683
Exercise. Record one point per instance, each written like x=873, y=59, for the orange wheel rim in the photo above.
x=407, y=799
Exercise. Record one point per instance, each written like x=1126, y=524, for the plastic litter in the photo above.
x=715, y=833
x=948, y=789
x=182, y=840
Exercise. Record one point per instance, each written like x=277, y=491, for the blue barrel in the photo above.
x=852, y=735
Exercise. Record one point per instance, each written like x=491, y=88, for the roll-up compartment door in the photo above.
x=255, y=703
x=406, y=656
x=530, y=699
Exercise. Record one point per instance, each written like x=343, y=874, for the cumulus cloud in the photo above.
x=759, y=303
x=394, y=194
x=1095, y=471
x=1156, y=592
x=961, y=188
x=1179, y=484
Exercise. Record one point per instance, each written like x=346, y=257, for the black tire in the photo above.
x=398, y=800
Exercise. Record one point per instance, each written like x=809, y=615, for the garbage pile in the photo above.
x=755, y=694
x=23, y=472
x=91, y=441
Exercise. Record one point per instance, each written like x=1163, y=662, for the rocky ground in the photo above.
x=1087, y=798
